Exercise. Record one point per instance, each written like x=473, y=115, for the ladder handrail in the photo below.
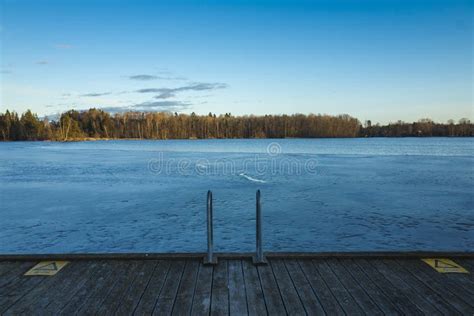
x=210, y=259
x=259, y=256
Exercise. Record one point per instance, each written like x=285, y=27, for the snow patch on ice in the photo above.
x=252, y=179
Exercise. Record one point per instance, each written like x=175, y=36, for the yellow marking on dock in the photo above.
x=47, y=268
x=445, y=265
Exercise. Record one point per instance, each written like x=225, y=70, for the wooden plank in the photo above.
x=98, y=295
x=98, y=281
x=26, y=304
x=469, y=266
x=220, y=290
x=420, y=287
x=16, y=280
x=202, y=294
x=270, y=255
x=237, y=295
x=397, y=281
x=320, y=288
x=396, y=295
x=382, y=301
x=353, y=287
x=287, y=289
x=271, y=292
x=465, y=280
x=165, y=302
x=344, y=298
x=14, y=273
x=152, y=292
x=10, y=296
x=457, y=284
x=467, y=263
x=76, y=292
x=239, y=288
x=108, y=256
x=125, y=279
x=132, y=297
x=449, y=291
x=310, y=301
x=185, y=295
x=103, y=284
x=68, y=289
x=8, y=268
x=254, y=292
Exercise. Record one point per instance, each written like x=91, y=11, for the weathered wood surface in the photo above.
x=295, y=286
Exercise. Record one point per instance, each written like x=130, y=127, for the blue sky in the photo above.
x=382, y=60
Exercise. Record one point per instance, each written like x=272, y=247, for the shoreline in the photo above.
x=92, y=139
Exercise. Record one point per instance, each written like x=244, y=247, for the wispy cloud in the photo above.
x=42, y=62
x=116, y=109
x=165, y=93
x=95, y=94
x=63, y=46
x=151, y=90
x=144, y=77
x=150, y=106
x=172, y=78
x=5, y=72
x=159, y=103
x=162, y=106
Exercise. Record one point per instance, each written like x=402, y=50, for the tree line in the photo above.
x=423, y=127
x=98, y=124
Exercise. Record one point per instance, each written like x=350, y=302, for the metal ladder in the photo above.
x=210, y=258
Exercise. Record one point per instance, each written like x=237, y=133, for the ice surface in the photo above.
x=317, y=194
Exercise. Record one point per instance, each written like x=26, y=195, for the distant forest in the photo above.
x=97, y=124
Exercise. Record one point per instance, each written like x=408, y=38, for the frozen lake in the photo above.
x=318, y=195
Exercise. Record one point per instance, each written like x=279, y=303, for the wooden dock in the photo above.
x=285, y=286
